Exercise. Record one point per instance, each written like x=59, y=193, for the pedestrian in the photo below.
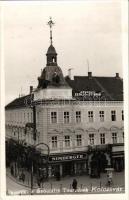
x=22, y=177
x=74, y=184
x=109, y=176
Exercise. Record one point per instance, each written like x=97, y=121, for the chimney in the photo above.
x=117, y=75
x=31, y=89
x=89, y=74
x=69, y=73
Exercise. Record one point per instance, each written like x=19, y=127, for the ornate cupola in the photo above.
x=51, y=52
x=52, y=83
x=51, y=56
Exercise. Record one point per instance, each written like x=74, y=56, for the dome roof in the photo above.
x=52, y=76
x=51, y=50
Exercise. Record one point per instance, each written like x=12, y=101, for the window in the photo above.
x=66, y=117
x=101, y=115
x=102, y=138
x=28, y=117
x=114, y=138
x=53, y=117
x=90, y=116
x=67, y=141
x=54, y=141
x=78, y=116
x=122, y=115
x=91, y=138
x=79, y=140
x=113, y=115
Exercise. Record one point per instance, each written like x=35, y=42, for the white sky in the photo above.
x=85, y=30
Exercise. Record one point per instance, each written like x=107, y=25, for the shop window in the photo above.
x=102, y=138
x=113, y=115
x=91, y=138
x=79, y=140
x=66, y=117
x=122, y=115
x=101, y=115
x=90, y=116
x=78, y=116
x=67, y=141
x=54, y=141
x=53, y=117
x=114, y=138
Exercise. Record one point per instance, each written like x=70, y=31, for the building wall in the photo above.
x=60, y=129
x=16, y=120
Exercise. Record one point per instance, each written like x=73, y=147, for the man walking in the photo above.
x=74, y=185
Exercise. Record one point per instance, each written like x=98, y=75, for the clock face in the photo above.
x=56, y=77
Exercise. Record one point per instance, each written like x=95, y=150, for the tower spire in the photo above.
x=50, y=24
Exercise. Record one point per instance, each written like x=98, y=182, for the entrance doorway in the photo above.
x=67, y=169
x=118, y=164
x=98, y=164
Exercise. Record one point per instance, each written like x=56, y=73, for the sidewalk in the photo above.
x=26, y=183
x=84, y=182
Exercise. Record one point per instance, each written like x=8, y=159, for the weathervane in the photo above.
x=50, y=23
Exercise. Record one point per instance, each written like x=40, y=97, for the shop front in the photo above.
x=98, y=163
x=68, y=164
x=99, y=159
x=118, y=157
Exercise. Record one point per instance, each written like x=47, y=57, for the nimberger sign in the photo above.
x=68, y=157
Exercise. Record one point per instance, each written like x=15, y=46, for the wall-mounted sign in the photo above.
x=87, y=93
x=68, y=157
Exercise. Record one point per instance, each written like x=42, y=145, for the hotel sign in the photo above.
x=68, y=157
x=87, y=93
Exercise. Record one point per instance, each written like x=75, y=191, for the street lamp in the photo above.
x=32, y=164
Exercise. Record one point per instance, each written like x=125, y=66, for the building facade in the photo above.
x=80, y=119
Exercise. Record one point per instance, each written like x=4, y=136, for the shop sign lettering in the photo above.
x=88, y=93
x=68, y=157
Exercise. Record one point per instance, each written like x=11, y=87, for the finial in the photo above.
x=50, y=24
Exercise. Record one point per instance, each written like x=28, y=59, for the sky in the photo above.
x=84, y=32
